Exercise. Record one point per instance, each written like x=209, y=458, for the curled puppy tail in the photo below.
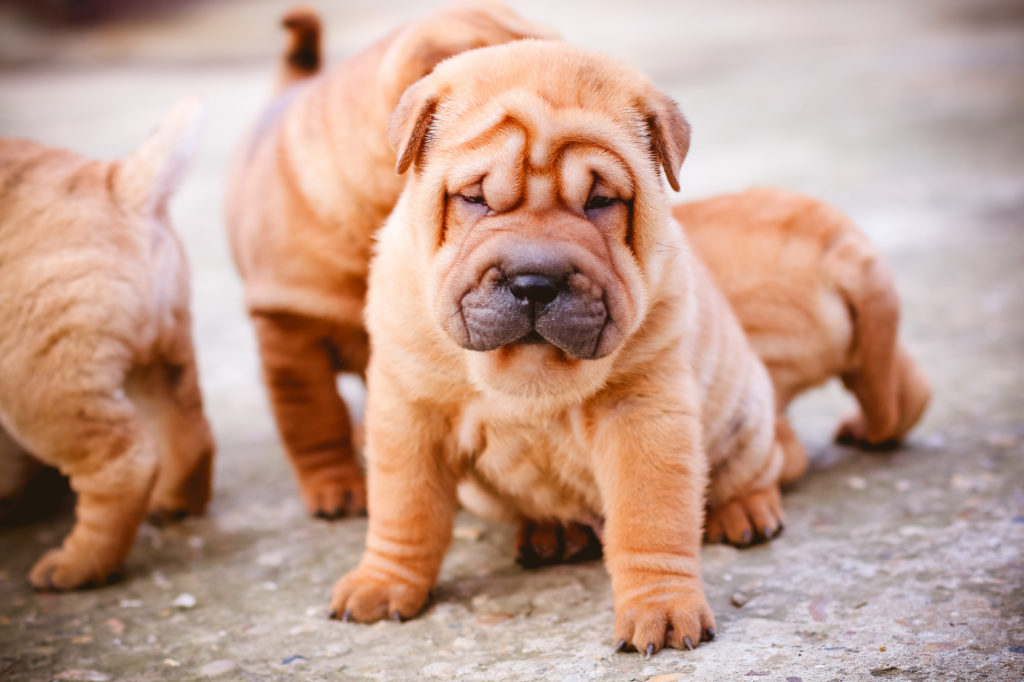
x=302, y=57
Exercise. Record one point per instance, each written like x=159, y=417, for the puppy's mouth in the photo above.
x=566, y=310
x=531, y=339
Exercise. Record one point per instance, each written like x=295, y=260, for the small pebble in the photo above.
x=185, y=601
x=471, y=533
x=270, y=559
x=81, y=639
x=439, y=669
x=671, y=677
x=131, y=603
x=171, y=663
x=115, y=626
x=463, y=644
x=1001, y=440
x=738, y=599
x=217, y=668
x=857, y=482
x=82, y=675
x=489, y=619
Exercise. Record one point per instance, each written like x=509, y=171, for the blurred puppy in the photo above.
x=308, y=189
x=97, y=371
x=546, y=346
x=816, y=302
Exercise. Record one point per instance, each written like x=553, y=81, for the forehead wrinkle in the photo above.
x=476, y=163
x=516, y=106
x=606, y=163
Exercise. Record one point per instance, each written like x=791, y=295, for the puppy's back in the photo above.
x=790, y=267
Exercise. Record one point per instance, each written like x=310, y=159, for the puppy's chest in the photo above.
x=540, y=468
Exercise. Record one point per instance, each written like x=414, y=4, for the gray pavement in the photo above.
x=908, y=565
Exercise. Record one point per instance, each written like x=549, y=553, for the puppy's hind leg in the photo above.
x=169, y=392
x=101, y=443
x=872, y=376
x=299, y=369
x=912, y=392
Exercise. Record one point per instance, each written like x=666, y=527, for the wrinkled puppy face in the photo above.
x=536, y=193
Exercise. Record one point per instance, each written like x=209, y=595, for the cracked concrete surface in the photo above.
x=903, y=565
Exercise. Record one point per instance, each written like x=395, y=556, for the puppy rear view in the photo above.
x=817, y=302
x=309, y=187
x=97, y=370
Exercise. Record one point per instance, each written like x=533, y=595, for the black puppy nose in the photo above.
x=534, y=288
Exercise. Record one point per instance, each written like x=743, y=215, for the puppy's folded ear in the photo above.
x=670, y=135
x=410, y=123
x=151, y=174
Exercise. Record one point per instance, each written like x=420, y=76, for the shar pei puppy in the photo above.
x=546, y=346
x=817, y=302
x=309, y=186
x=97, y=370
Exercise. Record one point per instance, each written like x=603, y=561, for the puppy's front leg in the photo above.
x=412, y=503
x=652, y=475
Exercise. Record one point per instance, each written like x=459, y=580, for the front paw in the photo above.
x=663, y=613
x=61, y=569
x=364, y=596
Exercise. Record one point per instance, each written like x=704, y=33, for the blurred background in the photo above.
x=907, y=115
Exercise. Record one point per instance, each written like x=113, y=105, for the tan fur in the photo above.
x=309, y=187
x=98, y=375
x=816, y=302
x=672, y=411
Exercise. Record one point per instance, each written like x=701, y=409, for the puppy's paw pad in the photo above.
x=757, y=517
x=365, y=599
x=649, y=623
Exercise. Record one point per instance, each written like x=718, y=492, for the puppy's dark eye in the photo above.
x=474, y=199
x=598, y=202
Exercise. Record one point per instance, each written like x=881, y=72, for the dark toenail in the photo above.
x=621, y=646
x=345, y=617
x=397, y=617
x=650, y=650
x=332, y=615
x=689, y=643
x=709, y=634
x=747, y=536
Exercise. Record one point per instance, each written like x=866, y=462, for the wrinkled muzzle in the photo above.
x=533, y=296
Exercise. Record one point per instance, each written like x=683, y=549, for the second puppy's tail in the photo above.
x=302, y=57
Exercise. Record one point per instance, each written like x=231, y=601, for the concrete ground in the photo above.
x=908, y=565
